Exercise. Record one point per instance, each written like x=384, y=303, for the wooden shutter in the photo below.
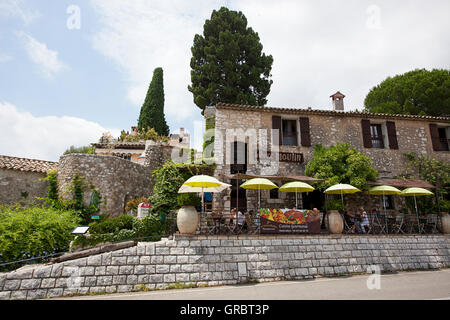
x=435, y=137
x=367, y=140
x=305, y=136
x=276, y=124
x=392, y=134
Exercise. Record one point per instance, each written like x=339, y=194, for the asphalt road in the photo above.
x=400, y=286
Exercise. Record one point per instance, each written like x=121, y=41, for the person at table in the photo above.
x=376, y=213
x=364, y=219
x=353, y=220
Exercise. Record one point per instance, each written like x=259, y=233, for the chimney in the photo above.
x=338, y=101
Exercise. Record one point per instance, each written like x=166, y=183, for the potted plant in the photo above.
x=188, y=217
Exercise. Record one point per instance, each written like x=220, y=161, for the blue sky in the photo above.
x=62, y=87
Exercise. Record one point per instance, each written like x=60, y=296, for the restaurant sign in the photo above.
x=289, y=157
x=287, y=221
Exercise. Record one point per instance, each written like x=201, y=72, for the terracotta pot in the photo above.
x=334, y=222
x=187, y=219
x=445, y=223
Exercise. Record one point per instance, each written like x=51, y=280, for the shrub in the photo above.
x=112, y=225
x=34, y=231
x=188, y=199
x=134, y=203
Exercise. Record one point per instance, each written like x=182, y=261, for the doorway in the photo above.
x=315, y=199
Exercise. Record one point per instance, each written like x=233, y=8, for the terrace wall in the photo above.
x=222, y=260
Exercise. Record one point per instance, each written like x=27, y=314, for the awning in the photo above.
x=279, y=178
x=402, y=183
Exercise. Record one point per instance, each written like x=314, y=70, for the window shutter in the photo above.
x=305, y=135
x=435, y=137
x=276, y=124
x=367, y=141
x=392, y=134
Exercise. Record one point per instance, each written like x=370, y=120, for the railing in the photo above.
x=220, y=221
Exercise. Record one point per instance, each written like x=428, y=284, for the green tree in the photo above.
x=83, y=149
x=341, y=163
x=152, y=111
x=227, y=62
x=417, y=92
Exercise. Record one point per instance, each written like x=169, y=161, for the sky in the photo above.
x=72, y=70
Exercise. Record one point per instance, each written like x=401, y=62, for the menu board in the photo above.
x=288, y=221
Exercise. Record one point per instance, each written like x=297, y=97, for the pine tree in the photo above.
x=227, y=62
x=152, y=111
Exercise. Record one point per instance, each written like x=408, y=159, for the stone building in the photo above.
x=243, y=133
x=20, y=179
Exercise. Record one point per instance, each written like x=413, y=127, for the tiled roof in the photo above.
x=24, y=164
x=310, y=111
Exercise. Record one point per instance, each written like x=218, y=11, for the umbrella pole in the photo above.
x=237, y=194
x=384, y=209
x=296, y=205
x=417, y=214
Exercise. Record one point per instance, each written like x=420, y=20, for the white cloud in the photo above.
x=17, y=8
x=46, y=138
x=140, y=36
x=318, y=47
x=45, y=59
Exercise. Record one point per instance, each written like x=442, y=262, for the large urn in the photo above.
x=187, y=219
x=334, y=221
x=445, y=223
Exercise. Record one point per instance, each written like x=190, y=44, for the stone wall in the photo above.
x=117, y=180
x=224, y=260
x=413, y=135
x=21, y=186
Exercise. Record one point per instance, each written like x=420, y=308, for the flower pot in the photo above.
x=445, y=223
x=187, y=219
x=334, y=222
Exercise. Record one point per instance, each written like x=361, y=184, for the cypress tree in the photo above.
x=228, y=64
x=152, y=111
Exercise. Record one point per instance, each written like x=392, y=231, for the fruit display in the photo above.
x=287, y=216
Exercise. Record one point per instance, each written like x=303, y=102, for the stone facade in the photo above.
x=326, y=128
x=224, y=260
x=21, y=186
x=116, y=179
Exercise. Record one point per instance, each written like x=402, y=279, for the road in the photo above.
x=400, y=286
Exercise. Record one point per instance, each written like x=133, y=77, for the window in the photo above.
x=289, y=129
x=376, y=136
x=443, y=139
x=274, y=193
x=388, y=202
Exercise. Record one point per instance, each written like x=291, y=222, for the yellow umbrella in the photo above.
x=415, y=192
x=382, y=191
x=259, y=184
x=341, y=189
x=296, y=186
x=202, y=181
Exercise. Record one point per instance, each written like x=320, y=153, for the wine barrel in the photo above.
x=335, y=224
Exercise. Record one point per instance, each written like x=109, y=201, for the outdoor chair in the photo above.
x=211, y=224
x=250, y=226
x=378, y=226
x=228, y=226
x=348, y=225
x=397, y=227
x=431, y=224
x=413, y=224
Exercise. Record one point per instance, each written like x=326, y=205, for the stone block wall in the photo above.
x=118, y=180
x=21, y=186
x=224, y=260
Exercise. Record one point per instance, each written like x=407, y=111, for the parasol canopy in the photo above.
x=416, y=192
x=188, y=189
x=341, y=189
x=259, y=184
x=296, y=186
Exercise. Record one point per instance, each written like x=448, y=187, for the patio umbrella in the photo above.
x=416, y=192
x=259, y=184
x=296, y=186
x=188, y=189
x=202, y=182
x=341, y=189
x=382, y=191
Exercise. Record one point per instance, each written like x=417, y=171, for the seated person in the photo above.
x=364, y=219
x=352, y=220
x=240, y=219
x=254, y=217
x=376, y=213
